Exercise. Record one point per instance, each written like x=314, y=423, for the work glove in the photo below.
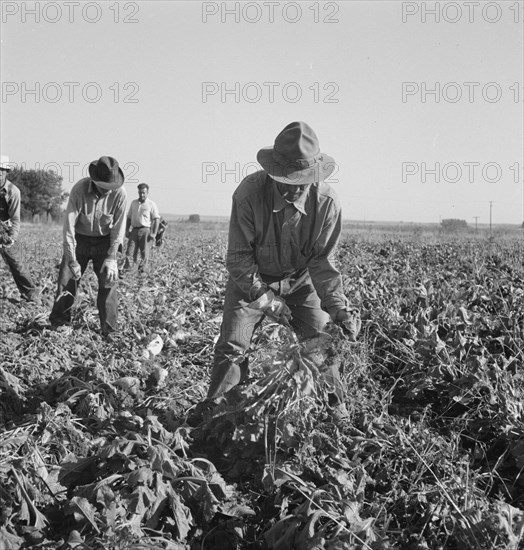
x=111, y=268
x=348, y=320
x=8, y=243
x=74, y=266
x=273, y=306
x=151, y=238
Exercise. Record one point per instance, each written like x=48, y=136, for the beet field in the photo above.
x=97, y=450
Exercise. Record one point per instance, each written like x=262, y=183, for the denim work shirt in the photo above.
x=92, y=214
x=271, y=239
x=10, y=207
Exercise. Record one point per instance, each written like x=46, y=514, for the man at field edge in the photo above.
x=10, y=219
x=93, y=230
x=141, y=228
x=284, y=228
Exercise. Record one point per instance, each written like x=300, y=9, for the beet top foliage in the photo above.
x=95, y=450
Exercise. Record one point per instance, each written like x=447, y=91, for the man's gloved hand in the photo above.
x=151, y=238
x=273, y=306
x=111, y=268
x=349, y=321
x=278, y=311
x=74, y=266
x=9, y=242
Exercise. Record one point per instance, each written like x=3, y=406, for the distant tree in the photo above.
x=41, y=191
x=452, y=225
x=194, y=218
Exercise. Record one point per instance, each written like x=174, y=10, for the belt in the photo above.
x=286, y=283
x=79, y=236
x=295, y=276
x=141, y=227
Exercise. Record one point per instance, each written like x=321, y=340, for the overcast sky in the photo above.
x=420, y=103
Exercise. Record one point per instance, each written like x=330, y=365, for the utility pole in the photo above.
x=490, y=208
x=476, y=218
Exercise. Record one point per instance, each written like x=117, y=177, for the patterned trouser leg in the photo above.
x=144, y=248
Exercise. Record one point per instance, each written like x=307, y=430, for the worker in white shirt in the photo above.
x=141, y=228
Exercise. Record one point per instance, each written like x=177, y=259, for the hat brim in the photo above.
x=291, y=175
x=110, y=185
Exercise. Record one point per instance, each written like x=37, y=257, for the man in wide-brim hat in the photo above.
x=94, y=228
x=10, y=201
x=284, y=227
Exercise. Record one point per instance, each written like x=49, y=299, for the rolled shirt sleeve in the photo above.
x=154, y=211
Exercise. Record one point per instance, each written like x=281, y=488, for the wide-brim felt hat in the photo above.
x=295, y=157
x=4, y=163
x=106, y=173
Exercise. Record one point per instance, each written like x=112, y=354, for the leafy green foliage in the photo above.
x=5, y=232
x=41, y=191
x=96, y=449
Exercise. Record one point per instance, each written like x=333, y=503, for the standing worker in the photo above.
x=93, y=230
x=284, y=227
x=10, y=220
x=141, y=228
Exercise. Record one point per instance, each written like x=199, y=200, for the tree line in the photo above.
x=41, y=193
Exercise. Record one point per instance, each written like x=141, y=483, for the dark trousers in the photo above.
x=239, y=323
x=94, y=249
x=138, y=242
x=21, y=275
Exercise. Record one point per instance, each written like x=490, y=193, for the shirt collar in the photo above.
x=279, y=202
